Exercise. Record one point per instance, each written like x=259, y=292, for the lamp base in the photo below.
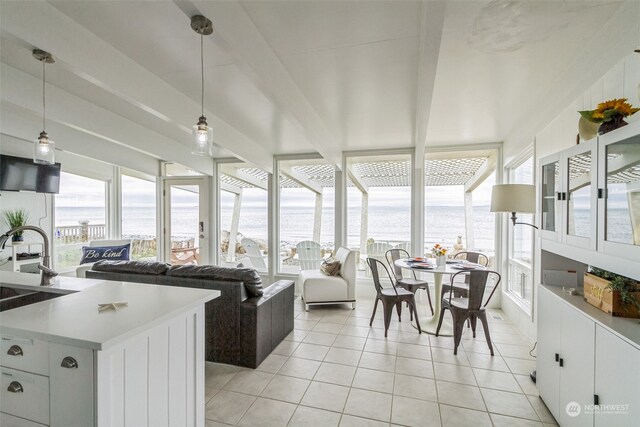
x=532, y=375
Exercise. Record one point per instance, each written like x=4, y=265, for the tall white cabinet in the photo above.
x=587, y=363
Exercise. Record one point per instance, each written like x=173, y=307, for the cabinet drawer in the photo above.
x=7, y=420
x=24, y=354
x=29, y=398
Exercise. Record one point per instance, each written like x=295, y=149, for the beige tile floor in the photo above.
x=334, y=370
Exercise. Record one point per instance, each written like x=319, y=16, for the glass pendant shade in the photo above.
x=44, y=152
x=202, y=138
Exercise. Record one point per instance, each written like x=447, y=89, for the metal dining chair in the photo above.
x=471, y=308
x=461, y=287
x=390, y=297
x=412, y=284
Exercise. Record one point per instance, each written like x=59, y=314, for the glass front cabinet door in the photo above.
x=619, y=192
x=550, y=197
x=579, y=195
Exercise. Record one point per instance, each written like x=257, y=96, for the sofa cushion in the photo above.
x=112, y=253
x=249, y=276
x=318, y=287
x=137, y=267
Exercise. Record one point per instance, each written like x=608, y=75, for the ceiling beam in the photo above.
x=431, y=25
x=88, y=56
x=300, y=179
x=357, y=180
x=230, y=188
x=242, y=176
x=482, y=173
x=236, y=33
x=24, y=90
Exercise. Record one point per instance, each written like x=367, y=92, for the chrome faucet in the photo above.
x=46, y=279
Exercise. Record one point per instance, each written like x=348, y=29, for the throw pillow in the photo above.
x=111, y=253
x=330, y=267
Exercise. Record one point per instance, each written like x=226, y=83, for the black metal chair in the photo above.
x=460, y=288
x=412, y=284
x=471, y=308
x=390, y=297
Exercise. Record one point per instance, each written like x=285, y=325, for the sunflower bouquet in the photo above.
x=607, y=111
x=438, y=250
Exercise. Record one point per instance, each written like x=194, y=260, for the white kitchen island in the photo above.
x=64, y=363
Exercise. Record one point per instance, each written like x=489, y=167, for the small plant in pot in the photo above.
x=612, y=293
x=16, y=218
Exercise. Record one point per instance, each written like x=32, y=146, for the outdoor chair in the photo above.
x=470, y=308
x=254, y=254
x=309, y=255
x=390, y=297
x=412, y=284
x=461, y=287
x=378, y=251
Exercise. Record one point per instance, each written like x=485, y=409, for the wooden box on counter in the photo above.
x=598, y=294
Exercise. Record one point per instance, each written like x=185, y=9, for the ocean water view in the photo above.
x=387, y=224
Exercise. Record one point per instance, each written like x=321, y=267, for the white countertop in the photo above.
x=73, y=319
x=627, y=329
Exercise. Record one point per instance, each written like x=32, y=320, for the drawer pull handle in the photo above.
x=15, y=350
x=15, y=387
x=69, y=363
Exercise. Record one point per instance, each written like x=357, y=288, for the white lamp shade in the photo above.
x=513, y=198
x=44, y=151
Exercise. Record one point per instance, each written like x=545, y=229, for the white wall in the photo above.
x=621, y=81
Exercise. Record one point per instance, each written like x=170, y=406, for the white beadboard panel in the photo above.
x=632, y=82
x=597, y=94
x=199, y=367
x=72, y=389
x=178, y=372
x=612, y=82
x=159, y=384
x=155, y=378
x=136, y=383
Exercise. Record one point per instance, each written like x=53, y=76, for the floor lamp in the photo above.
x=515, y=198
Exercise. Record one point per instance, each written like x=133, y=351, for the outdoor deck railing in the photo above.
x=84, y=232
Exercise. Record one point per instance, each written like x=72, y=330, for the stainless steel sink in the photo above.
x=12, y=297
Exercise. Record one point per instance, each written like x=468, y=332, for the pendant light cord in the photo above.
x=44, y=104
x=202, y=73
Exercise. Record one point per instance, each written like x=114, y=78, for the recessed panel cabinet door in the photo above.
x=547, y=371
x=577, y=368
x=617, y=381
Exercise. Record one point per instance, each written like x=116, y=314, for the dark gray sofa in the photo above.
x=242, y=326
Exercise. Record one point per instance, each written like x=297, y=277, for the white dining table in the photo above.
x=429, y=324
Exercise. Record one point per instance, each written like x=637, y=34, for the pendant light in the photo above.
x=202, y=140
x=44, y=148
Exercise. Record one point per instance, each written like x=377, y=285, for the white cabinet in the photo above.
x=155, y=377
x=619, y=183
x=565, y=359
x=568, y=196
x=586, y=374
x=616, y=381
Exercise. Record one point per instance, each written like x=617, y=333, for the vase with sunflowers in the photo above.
x=610, y=114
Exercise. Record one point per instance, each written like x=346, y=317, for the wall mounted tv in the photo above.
x=19, y=173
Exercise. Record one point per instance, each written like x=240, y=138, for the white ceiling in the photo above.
x=286, y=77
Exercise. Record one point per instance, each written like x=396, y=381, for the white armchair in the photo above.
x=81, y=270
x=318, y=288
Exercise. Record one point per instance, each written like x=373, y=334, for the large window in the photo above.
x=307, y=213
x=520, y=280
x=378, y=205
x=80, y=217
x=243, y=216
x=139, y=216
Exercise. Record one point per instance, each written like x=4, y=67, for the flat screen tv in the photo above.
x=19, y=173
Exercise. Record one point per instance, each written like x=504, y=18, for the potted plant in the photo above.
x=610, y=114
x=612, y=293
x=16, y=218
